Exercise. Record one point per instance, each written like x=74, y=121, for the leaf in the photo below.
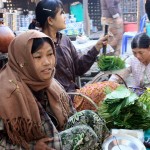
x=117, y=110
x=107, y=90
x=131, y=99
x=119, y=93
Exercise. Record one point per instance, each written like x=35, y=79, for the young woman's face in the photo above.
x=44, y=60
x=59, y=22
x=142, y=54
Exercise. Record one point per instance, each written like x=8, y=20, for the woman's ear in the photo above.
x=50, y=21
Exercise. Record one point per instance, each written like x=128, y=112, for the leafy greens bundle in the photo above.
x=108, y=63
x=124, y=109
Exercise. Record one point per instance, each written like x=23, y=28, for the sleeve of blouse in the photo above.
x=124, y=73
x=84, y=62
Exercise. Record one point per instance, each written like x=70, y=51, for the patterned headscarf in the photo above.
x=18, y=107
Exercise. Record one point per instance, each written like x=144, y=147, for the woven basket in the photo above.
x=90, y=97
x=85, y=97
x=94, y=92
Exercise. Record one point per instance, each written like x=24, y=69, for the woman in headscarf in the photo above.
x=35, y=111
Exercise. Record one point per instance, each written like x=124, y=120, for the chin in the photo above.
x=64, y=27
x=46, y=78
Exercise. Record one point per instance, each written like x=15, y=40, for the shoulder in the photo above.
x=133, y=61
x=65, y=40
x=131, y=58
x=63, y=36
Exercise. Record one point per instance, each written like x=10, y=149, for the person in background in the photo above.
x=32, y=25
x=111, y=15
x=138, y=64
x=35, y=110
x=50, y=15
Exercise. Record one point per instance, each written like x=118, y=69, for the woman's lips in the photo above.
x=47, y=70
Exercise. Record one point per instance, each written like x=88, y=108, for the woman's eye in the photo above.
x=62, y=12
x=50, y=54
x=141, y=53
x=36, y=57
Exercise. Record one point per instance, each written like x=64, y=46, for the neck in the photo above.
x=146, y=63
x=51, y=33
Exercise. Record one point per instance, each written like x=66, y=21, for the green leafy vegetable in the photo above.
x=120, y=92
x=124, y=109
x=108, y=63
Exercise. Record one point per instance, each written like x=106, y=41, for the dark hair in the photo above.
x=38, y=42
x=140, y=40
x=47, y=8
x=147, y=8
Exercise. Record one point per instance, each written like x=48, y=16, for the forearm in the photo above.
x=84, y=63
x=123, y=74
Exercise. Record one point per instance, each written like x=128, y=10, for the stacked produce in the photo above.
x=109, y=63
x=124, y=109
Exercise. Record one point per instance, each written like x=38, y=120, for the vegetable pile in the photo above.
x=124, y=109
x=108, y=63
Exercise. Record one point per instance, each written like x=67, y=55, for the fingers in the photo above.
x=102, y=41
x=104, y=38
x=110, y=34
x=47, y=139
x=42, y=144
x=105, y=42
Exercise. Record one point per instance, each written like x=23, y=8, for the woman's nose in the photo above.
x=46, y=61
x=138, y=56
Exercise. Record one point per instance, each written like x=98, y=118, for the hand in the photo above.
x=102, y=41
x=41, y=144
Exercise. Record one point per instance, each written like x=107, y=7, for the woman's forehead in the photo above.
x=140, y=49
